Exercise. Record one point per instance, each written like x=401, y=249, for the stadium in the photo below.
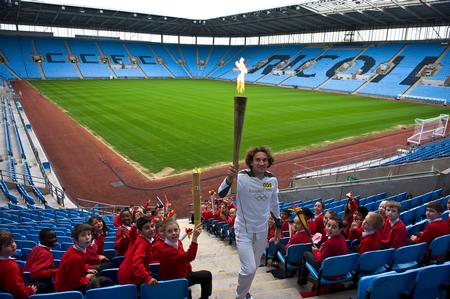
x=106, y=108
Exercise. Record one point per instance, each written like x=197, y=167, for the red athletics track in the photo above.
x=76, y=157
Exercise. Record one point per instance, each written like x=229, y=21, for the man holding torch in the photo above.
x=257, y=199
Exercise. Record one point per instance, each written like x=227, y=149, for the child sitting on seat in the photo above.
x=319, y=208
x=349, y=210
x=382, y=209
x=175, y=262
x=393, y=234
x=334, y=245
x=98, y=237
x=299, y=236
x=436, y=226
x=370, y=238
x=323, y=233
x=271, y=230
x=125, y=234
x=95, y=252
x=40, y=262
x=11, y=276
x=74, y=274
x=134, y=268
x=355, y=231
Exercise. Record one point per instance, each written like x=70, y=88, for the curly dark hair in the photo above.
x=254, y=150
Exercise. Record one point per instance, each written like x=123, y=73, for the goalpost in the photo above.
x=429, y=128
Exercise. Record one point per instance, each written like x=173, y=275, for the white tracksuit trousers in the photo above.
x=250, y=247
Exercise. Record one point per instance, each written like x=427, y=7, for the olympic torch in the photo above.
x=196, y=194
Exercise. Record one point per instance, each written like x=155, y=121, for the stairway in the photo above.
x=75, y=65
x=222, y=260
x=41, y=70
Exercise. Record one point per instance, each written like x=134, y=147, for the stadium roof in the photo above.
x=316, y=16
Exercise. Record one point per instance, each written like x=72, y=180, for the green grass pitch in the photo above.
x=188, y=123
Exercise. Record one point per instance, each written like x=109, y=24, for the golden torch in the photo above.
x=196, y=194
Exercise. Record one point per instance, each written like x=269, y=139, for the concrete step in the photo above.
x=257, y=287
x=217, y=256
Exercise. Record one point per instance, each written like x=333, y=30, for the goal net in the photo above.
x=429, y=128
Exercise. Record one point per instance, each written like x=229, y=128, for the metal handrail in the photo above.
x=363, y=157
x=379, y=178
x=53, y=190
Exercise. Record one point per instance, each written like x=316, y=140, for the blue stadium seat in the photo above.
x=4, y=295
x=168, y=289
x=438, y=248
x=127, y=291
x=59, y=295
x=271, y=249
x=25, y=244
x=375, y=262
x=342, y=266
x=111, y=273
x=117, y=261
x=430, y=280
x=154, y=270
x=408, y=257
x=386, y=285
x=292, y=259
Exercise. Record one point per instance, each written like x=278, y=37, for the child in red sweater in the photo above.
x=11, y=276
x=382, y=209
x=393, y=234
x=370, y=239
x=175, y=262
x=321, y=236
x=40, y=261
x=125, y=234
x=231, y=218
x=298, y=236
x=334, y=245
x=319, y=207
x=73, y=273
x=349, y=210
x=436, y=226
x=355, y=231
x=134, y=268
x=98, y=237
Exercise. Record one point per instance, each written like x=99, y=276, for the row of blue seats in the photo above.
x=431, y=151
x=170, y=289
x=428, y=282
x=353, y=267
x=218, y=62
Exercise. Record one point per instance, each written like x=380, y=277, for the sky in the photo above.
x=190, y=9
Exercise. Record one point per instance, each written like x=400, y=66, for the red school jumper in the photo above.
x=318, y=221
x=40, y=263
x=433, y=230
x=72, y=273
x=370, y=242
x=121, y=244
x=332, y=247
x=134, y=268
x=175, y=262
x=11, y=279
x=394, y=236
